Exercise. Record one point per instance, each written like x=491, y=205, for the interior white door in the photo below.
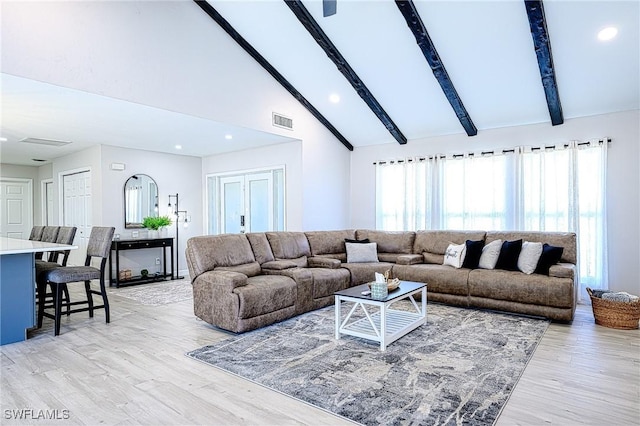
x=47, y=202
x=76, y=211
x=16, y=207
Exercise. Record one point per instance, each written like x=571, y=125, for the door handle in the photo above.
x=242, y=224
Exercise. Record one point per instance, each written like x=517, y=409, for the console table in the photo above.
x=119, y=245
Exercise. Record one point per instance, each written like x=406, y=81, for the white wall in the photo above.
x=623, y=176
x=173, y=174
x=287, y=154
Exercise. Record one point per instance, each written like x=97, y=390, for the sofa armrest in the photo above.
x=563, y=270
x=409, y=259
x=278, y=265
x=323, y=262
x=226, y=280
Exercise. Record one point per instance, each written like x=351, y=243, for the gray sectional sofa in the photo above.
x=246, y=281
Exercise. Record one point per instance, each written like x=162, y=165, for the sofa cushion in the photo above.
x=509, y=253
x=365, y=272
x=264, y=294
x=439, y=278
x=361, y=253
x=260, y=246
x=328, y=281
x=249, y=269
x=514, y=286
x=409, y=259
x=289, y=245
x=328, y=242
x=560, y=239
x=436, y=242
x=205, y=253
x=389, y=241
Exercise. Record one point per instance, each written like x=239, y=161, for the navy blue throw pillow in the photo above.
x=349, y=240
x=509, y=253
x=549, y=257
x=474, y=251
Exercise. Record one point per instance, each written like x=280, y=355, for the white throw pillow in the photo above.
x=454, y=256
x=490, y=254
x=529, y=256
x=362, y=253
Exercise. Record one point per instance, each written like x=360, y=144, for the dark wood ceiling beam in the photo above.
x=332, y=52
x=224, y=24
x=542, y=45
x=408, y=10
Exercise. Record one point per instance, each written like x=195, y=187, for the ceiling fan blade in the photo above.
x=328, y=7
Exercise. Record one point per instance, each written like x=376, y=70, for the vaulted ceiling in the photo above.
x=402, y=71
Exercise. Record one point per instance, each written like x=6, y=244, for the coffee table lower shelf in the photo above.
x=384, y=325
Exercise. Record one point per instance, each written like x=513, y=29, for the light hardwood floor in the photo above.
x=133, y=371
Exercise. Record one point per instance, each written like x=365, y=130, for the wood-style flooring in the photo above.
x=133, y=371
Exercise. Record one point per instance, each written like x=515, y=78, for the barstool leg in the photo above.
x=87, y=288
x=57, y=302
x=105, y=301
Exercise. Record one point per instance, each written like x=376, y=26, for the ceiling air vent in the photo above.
x=280, y=120
x=48, y=142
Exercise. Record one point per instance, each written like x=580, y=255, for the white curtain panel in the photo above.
x=557, y=188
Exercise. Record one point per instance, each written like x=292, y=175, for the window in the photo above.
x=558, y=189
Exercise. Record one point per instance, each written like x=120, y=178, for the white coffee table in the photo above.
x=384, y=325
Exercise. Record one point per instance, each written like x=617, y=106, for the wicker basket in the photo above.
x=620, y=315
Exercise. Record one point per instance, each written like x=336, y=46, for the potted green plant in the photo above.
x=155, y=224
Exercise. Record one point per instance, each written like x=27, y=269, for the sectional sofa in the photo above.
x=246, y=281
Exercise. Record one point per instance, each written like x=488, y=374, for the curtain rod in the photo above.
x=471, y=154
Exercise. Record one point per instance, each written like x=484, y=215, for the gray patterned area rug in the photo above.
x=458, y=369
x=158, y=293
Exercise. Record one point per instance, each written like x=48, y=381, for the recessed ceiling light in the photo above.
x=2, y=139
x=178, y=146
x=228, y=136
x=607, y=33
x=334, y=97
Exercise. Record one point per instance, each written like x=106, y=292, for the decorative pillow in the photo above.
x=474, y=251
x=349, y=240
x=362, y=252
x=509, y=253
x=490, y=253
x=454, y=256
x=550, y=256
x=529, y=256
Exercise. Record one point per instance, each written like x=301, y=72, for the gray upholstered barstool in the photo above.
x=36, y=233
x=57, y=258
x=58, y=278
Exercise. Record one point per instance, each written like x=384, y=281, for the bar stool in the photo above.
x=60, y=277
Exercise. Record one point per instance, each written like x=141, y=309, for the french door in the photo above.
x=248, y=202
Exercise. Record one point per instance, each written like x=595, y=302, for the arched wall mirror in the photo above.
x=140, y=200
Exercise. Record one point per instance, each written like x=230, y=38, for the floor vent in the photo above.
x=48, y=142
x=280, y=120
